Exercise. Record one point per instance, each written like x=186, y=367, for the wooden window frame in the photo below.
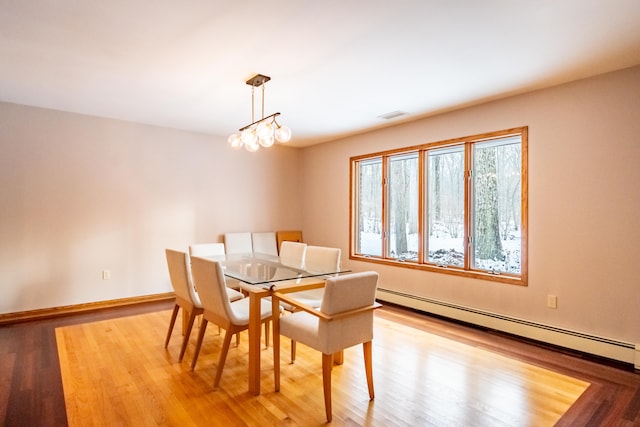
x=465, y=271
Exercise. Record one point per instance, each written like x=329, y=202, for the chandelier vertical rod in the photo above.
x=262, y=100
x=252, y=104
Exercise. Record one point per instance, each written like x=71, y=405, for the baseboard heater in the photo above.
x=599, y=346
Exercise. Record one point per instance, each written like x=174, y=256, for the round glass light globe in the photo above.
x=283, y=134
x=234, y=141
x=267, y=142
x=248, y=137
x=264, y=130
x=252, y=147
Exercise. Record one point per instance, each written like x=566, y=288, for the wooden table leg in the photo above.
x=254, y=343
x=275, y=322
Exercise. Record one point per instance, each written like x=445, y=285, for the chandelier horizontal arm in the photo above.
x=274, y=115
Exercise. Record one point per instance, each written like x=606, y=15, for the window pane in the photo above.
x=403, y=207
x=496, y=194
x=369, y=207
x=445, y=206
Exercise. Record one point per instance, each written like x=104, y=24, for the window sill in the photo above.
x=500, y=278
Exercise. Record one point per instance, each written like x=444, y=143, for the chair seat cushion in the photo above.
x=234, y=295
x=327, y=337
x=240, y=310
x=302, y=327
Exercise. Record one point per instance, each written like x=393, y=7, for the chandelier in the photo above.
x=263, y=132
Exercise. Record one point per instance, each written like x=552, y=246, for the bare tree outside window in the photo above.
x=445, y=206
x=496, y=181
x=369, y=207
x=403, y=209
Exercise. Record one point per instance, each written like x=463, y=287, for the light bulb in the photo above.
x=264, y=130
x=234, y=141
x=283, y=134
x=248, y=136
x=267, y=141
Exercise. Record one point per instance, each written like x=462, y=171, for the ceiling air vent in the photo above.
x=392, y=115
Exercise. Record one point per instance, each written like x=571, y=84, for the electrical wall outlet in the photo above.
x=106, y=274
x=552, y=301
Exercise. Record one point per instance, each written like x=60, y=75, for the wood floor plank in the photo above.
x=31, y=390
x=7, y=367
x=117, y=372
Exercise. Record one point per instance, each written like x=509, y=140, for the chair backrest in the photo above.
x=178, y=263
x=349, y=291
x=238, y=243
x=209, y=279
x=319, y=259
x=343, y=293
x=292, y=254
x=207, y=249
x=265, y=243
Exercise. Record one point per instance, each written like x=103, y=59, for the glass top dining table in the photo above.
x=259, y=275
x=267, y=271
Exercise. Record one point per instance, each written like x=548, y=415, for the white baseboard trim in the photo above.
x=586, y=343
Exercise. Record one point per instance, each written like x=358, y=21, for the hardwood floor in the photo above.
x=31, y=383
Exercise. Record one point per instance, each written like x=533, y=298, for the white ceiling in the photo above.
x=336, y=65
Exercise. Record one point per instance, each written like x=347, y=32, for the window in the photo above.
x=402, y=193
x=445, y=207
x=369, y=206
x=456, y=207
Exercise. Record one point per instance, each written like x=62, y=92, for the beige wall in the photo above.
x=584, y=204
x=81, y=194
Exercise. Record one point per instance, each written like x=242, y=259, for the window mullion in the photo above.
x=468, y=182
x=421, y=210
x=385, y=207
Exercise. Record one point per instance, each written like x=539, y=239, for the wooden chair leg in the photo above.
x=293, y=351
x=338, y=357
x=368, y=367
x=327, y=364
x=187, y=334
x=266, y=334
x=172, y=322
x=203, y=327
x=223, y=357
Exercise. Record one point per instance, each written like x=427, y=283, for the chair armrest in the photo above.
x=318, y=313
x=358, y=310
x=297, y=304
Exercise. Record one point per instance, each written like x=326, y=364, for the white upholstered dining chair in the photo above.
x=345, y=319
x=292, y=254
x=207, y=249
x=264, y=243
x=233, y=317
x=216, y=250
x=317, y=259
x=238, y=243
x=186, y=296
